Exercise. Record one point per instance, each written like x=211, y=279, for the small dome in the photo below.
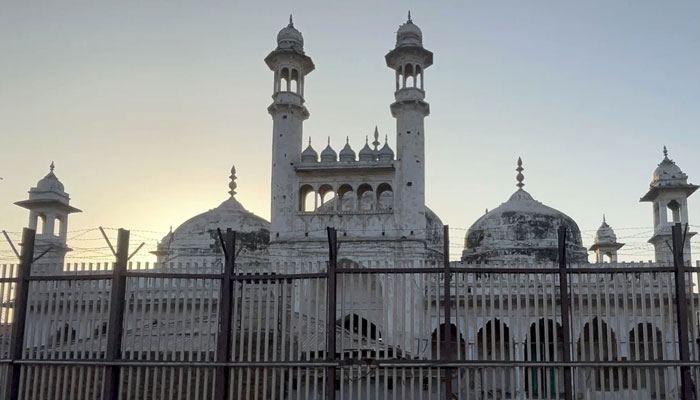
x=198, y=237
x=367, y=154
x=290, y=37
x=409, y=34
x=386, y=153
x=668, y=173
x=50, y=182
x=328, y=154
x=309, y=155
x=347, y=153
x=522, y=230
x=605, y=234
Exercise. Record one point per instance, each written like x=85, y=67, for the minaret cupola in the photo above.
x=309, y=154
x=367, y=154
x=605, y=243
x=328, y=154
x=49, y=207
x=386, y=153
x=347, y=154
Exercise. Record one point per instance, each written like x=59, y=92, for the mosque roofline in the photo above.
x=654, y=191
x=28, y=204
x=340, y=166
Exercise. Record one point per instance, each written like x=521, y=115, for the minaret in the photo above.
x=668, y=192
x=49, y=207
x=409, y=60
x=289, y=65
x=605, y=244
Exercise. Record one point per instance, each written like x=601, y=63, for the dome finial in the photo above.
x=376, y=142
x=409, y=17
x=665, y=152
x=291, y=21
x=52, y=166
x=309, y=140
x=604, y=219
x=520, y=176
x=232, y=185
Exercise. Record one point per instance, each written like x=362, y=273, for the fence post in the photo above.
x=110, y=385
x=565, y=313
x=331, y=287
x=687, y=392
x=223, y=340
x=447, y=354
x=19, y=315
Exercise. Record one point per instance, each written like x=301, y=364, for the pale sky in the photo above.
x=144, y=106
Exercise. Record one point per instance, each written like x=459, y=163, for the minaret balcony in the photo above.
x=288, y=97
x=409, y=94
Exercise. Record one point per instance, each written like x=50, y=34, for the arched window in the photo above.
x=598, y=343
x=545, y=342
x=326, y=197
x=419, y=77
x=294, y=82
x=409, y=79
x=646, y=344
x=307, y=199
x=385, y=197
x=284, y=79
x=345, y=197
x=365, y=197
x=494, y=344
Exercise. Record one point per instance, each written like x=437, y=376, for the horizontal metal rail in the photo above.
x=366, y=362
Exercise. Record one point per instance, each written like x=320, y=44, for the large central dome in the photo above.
x=522, y=230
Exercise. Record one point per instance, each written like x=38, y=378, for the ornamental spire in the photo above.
x=376, y=142
x=410, y=21
x=52, y=166
x=291, y=22
x=665, y=153
x=520, y=176
x=232, y=185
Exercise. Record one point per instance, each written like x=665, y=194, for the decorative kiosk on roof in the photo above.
x=668, y=192
x=521, y=230
x=605, y=244
x=49, y=207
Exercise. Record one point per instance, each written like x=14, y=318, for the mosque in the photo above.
x=375, y=198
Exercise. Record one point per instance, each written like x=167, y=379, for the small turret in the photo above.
x=367, y=154
x=605, y=243
x=328, y=154
x=347, y=154
x=309, y=154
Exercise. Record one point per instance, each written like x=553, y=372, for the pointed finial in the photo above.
x=329, y=140
x=291, y=22
x=366, y=139
x=604, y=219
x=386, y=138
x=376, y=142
x=52, y=166
x=309, y=141
x=409, y=17
x=347, y=139
x=520, y=176
x=665, y=152
x=232, y=185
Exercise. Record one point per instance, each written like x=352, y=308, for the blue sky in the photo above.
x=145, y=106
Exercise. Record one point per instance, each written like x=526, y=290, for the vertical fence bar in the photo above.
x=330, y=317
x=19, y=314
x=223, y=340
x=565, y=315
x=682, y=312
x=448, y=350
x=110, y=385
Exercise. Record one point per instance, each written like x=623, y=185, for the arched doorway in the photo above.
x=544, y=342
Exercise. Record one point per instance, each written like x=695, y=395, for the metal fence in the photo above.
x=342, y=329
